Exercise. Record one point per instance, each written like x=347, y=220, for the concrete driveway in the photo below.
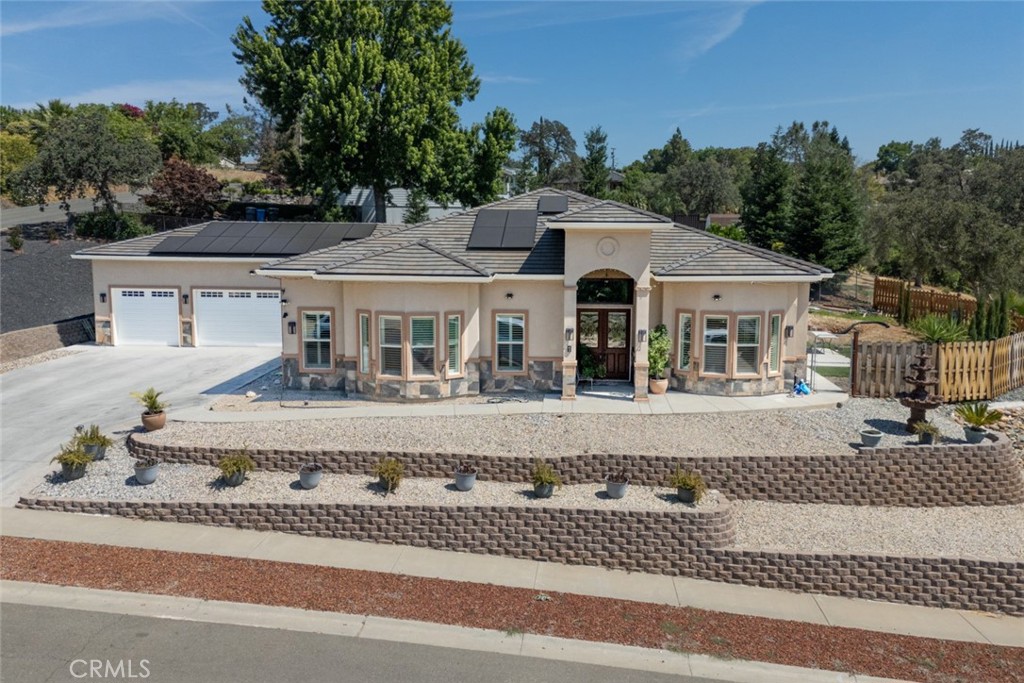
x=42, y=403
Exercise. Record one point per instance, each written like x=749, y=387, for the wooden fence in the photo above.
x=967, y=371
x=886, y=299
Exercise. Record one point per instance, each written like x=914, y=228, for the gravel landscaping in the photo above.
x=36, y=359
x=754, y=433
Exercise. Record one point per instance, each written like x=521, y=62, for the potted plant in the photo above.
x=94, y=442
x=390, y=472
x=73, y=461
x=153, y=417
x=658, y=346
x=146, y=470
x=310, y=474
x=689, y=485
x=545, y=479
x=465, y=477
x=616, y=483
x=870, y=437
x=235, y=465
x=976, y=417
x=927, y=433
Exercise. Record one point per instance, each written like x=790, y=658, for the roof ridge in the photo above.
x=365, y=255
x=458, y=259
x=782, y=259
x=609, y=202
x=706, y=251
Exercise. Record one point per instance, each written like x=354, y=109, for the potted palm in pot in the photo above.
x=234, y=466
x=94, y=442
x=545, y=479
x=616, y=483
x=976, y=417
x=658, y=346
x=689, y=486
x=73, y=461
x=465, y=477
x=153, y=417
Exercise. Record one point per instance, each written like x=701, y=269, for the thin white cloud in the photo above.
x=706, y=26
x=100, y=14
x=515, y=80
x=212, y=92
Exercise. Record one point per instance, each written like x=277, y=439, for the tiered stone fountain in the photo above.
x=920, y=399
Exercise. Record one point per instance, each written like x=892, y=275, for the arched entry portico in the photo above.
x=604, y=321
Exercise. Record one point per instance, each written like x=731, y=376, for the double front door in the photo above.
x=606, y=332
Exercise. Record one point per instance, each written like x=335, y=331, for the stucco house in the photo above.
x=488, y=300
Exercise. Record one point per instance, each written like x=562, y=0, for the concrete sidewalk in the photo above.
x=600, y=399
x=928, y=622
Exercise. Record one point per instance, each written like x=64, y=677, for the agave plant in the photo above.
x=978, y=415
x=936, y=329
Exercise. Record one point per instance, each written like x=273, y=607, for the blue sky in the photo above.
x=727, y=74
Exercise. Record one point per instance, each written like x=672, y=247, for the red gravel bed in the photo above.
x=501, y=608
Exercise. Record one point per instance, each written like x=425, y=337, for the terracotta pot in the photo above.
x=154, y=421
x=658, y=386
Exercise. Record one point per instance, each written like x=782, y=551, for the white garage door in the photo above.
x=245, y=317
x=145, y=316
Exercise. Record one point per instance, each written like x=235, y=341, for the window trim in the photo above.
x=680, y=312
x=461, y=370
x=360, y=313
x=782, y=342
x=526, y=343
x=734, y=342
x=407, y=346
x=379, y=345
x=728, y=342
x=301, y=313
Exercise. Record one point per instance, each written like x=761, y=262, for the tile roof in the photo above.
x=418, y=258
x=609, y=212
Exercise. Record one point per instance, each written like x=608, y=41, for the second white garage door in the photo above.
x=242, y=317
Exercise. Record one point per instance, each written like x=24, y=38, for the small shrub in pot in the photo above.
x=616, y=483
x=235, y=465
x=390, y=472
x=94, y=442
x=927, y=433
x=976, y=417
x=73, y=461
x=465, y=477
x=545, y=479
x=146, y=470
x=310, y=475
x=690, y=486
x=153, y=415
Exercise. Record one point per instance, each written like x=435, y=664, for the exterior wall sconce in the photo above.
x=284, y=301
x=789, y=331
x=103, y=297
x=184, y=299
x=285, y=314
x=509, y=295
x=569, y=332
x=716, y=297
x=641, y=335
x=291, y=327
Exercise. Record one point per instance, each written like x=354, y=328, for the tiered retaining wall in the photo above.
x=909, y=476
x=691, y=543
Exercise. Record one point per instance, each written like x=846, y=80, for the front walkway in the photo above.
x=607, y=399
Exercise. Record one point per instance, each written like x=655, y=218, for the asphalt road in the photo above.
x=41, y=404
x=30, y=215
x=46, y=644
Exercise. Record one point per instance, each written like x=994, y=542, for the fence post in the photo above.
x=853, y=363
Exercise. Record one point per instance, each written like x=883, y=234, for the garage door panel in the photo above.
x=226, y=317
x=146, y=316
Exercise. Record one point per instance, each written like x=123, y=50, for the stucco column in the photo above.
x=642, y=310
x=569, y=343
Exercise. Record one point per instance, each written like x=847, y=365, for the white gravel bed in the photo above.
x=991, y=532
x=37, y=358
x=751, y=433
x=112, y=479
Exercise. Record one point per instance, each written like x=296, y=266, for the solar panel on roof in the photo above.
x=215, y=229
x=262, y=230
x=521, y=218
x=308, y=234
x=361, y=230
x=519, y=237
x=170, y=244
x=491, y=218
x=552, y=203
x=247, y=245
x=219, y=245
x=239, y=238
x=275, y=245
x=238, y=229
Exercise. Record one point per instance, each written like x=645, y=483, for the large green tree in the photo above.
x=92, y=149
x=179, y=129
x=594, y=169
x=767, y=209
x=550, y=149
x=371, y=90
